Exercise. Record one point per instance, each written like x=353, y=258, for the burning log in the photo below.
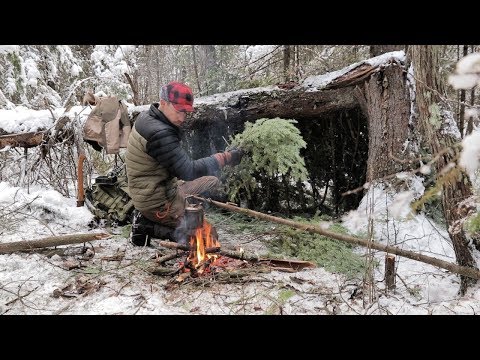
x=173, y=245
x=167, y=257
x=191, y=266
x=176, y=246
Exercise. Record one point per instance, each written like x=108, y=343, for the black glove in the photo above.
x=235, y=156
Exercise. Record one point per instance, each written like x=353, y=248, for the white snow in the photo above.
x=467, y=72
x=22, y=119
x=470, y=156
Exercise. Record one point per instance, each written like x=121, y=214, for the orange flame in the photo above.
x=203, y=239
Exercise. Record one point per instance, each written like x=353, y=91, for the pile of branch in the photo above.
x=193, y=271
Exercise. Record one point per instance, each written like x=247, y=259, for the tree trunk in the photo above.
x=388, y=112
x=286, y=62
x=210, y=69
x=472, y=101
x=195, y=68
x=297, y=62
x=461, y=120
x=134, y=86
x=425, y=59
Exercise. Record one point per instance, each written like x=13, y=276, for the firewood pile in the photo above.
x=227, y=266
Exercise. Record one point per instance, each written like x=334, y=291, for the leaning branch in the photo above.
x=50, y=242
x=462, y=270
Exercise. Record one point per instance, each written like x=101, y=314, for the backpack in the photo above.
x=108, y=197
x=107, y=125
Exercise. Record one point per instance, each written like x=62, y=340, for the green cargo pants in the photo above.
x=172, y=214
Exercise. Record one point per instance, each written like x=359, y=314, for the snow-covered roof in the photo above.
x=318, y=82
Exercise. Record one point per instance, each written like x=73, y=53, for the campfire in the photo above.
x=203, y=240
x=205, y=256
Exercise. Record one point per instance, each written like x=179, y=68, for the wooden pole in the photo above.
x=51, y=241
x=81, y=194
x=390, y=271
x=458, y=269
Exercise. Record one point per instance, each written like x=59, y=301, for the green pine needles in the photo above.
x=272, y=148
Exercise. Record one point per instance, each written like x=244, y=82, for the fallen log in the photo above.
x=51, y=241
x=458, y=269
x=312, y=98
x=26, y=140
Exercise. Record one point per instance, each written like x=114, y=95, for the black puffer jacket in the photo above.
x=155, y=160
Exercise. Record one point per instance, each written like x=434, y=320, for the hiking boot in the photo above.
x=138, y=235
x=144, y=229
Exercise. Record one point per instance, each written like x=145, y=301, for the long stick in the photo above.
x=81, y=193
x=7, y=248
x=462, y=270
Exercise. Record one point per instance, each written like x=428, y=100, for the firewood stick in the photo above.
x=51, y=241
x=167, y=257
x=239, y=255
x=175, y=246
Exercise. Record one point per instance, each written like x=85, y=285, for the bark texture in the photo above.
x=297, y=103
x=388, y=112
x=10, y=247
x=425, y=59
x=26, y=140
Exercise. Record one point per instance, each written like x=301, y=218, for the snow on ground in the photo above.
x=111, y=276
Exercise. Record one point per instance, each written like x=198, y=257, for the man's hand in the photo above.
x=232, y=157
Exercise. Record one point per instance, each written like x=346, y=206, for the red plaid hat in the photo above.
x=180, y=95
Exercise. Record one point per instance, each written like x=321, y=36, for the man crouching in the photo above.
x=161, y=174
